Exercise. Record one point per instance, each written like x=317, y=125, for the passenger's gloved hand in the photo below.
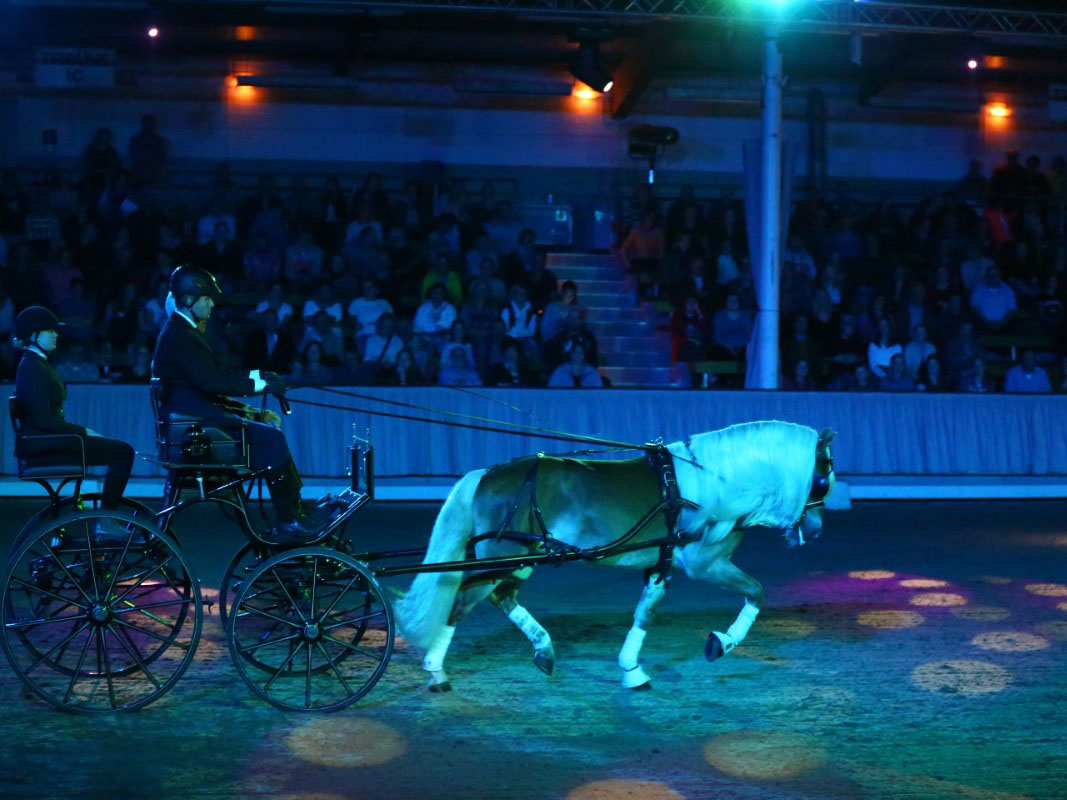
x=258, y=383
x=276, y=386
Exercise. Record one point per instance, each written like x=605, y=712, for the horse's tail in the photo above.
x=424, y=610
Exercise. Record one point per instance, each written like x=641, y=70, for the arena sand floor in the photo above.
x=917, y=650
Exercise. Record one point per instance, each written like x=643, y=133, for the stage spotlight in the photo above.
x=999, y=110
x=587, y=68
x=972, y=63
x=153, y=32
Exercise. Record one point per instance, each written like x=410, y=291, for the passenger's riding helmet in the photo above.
x=195, y=281
x=34, y=319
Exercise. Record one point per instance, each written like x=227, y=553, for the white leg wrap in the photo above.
x=537, y=635
x=435, y=656
x=632, y=678
x=631, y=648
x=741, y=626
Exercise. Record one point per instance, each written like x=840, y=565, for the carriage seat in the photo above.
x=35, y=454
x=187, y=441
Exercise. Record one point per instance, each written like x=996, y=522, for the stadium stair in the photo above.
x=632, y=339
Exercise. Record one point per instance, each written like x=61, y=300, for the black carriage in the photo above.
x=101, y=611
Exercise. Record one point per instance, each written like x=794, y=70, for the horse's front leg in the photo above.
x=633, y=677
x=722, y=572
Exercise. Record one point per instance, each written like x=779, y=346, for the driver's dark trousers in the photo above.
x=269, y=448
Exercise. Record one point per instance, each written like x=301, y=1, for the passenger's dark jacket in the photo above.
x=193, y=380
x=41, y=394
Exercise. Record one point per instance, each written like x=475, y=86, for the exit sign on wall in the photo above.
x=1057, y=101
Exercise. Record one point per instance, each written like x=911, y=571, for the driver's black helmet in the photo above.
x=195, y=281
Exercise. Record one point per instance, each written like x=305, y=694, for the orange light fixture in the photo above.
x=1000, y=110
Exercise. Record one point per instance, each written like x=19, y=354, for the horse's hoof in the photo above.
x=440, y=687
x=644, y=687
x=636, y=678
x=545, y=660
x=714, y=647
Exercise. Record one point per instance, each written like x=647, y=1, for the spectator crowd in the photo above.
x=324, y=282
x=963, y=291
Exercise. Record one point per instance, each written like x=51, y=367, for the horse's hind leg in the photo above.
x=505, y=597
x=472, y=591
x=633, y=677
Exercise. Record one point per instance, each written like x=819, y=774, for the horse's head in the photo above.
x=809, y=526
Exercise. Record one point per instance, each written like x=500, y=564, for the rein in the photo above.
x=491, y=426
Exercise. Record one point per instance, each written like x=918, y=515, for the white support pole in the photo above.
x=771, y=211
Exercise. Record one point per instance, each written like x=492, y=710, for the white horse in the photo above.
x=774, y=474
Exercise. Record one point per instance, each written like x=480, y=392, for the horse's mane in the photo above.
x=758, y=473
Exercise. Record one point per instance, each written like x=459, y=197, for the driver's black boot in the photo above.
x=294, y=523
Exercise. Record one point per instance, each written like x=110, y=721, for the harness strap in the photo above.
x=662, y=463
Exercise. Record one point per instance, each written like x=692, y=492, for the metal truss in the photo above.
x=831, y=16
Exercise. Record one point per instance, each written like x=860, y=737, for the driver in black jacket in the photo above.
x=194, y=383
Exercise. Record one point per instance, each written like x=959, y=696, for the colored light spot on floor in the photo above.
x=1043, y=540
x=209, y=595
x=764, y=754
x=961, y=677
x=346, y=742
x=785, y=628
x=980, y=613
x=1054, y=630
x=211, y=649
x=872, y=574
x=938, y=600
x=619, y=789
x=890, y=620
x=1061, y=606
x=1010, y=641
x=996, y=580
x=1047, y=589
x=923, y=583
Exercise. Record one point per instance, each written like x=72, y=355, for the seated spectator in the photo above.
x=262, y=261
x=457, y=368
x=364, y=219
x=800, y=380
x=691, y=333
x=861, y=380
x=962, y=350
x=896, y=377
x=1027, y=377
x=315, y=371
x=797, y=258
x=219, y=254
x=442, y=273
x=504, y=228
x=697, y=283
x=556, y=312
x=914, y=310
x=519, y=260
x=575, y=372
x=974, y=268
x=1049, y=307
x=867, y=323
x=434, y=318
x=844, y=353
x=643, y=247
x=520, y=316
x=266, y=346
x=731, y=328
x=78, y=312
x=303, y=259
x=276, y=302
x=574, y=334
x=139, y=370
x=976, y=379
x=154, y=312
x=993, y=300
x=148, y=152
x=941, y=288
x=100, y=160
x=367, y=256
x=366, y=309
x=541, y=284
x=931, y=378
x=478, y=315
x=76, y=365
x=726, y=270
x=798, y=345
x=477, y=255
x=510, y=370
x=917, y=351
x=880, y=352
x=120, y=322
x=382, y=347
x=405, y=372
x=218, y=222
x=323, y=300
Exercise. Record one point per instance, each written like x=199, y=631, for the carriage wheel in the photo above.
x=85, y=502
x=100, y=612
x=311, y=630
x=244, y=563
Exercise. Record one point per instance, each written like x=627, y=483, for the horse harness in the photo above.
x=671, y=503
